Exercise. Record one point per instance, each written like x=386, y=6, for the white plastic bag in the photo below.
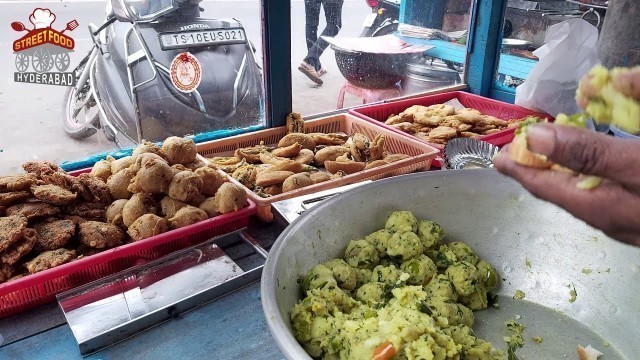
x=570, y=51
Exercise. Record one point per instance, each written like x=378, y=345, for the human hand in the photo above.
x=614, y=206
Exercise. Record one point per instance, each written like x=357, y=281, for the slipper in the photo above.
x=310, y=72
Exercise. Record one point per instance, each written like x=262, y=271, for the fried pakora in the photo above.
x=33, y=210
x=10, y=198
x=138, y=205
x=443, y=132
x=98, y=190
x=211, y=180
x=54, y=234
x=20, y=248
x=210, y=206
x=186, y=216
x=185, y=186
x=231, y=197
x=170, y=206
x=101, y=170
x=121, y=164
x=146, y=147
x=100, y=235
x=114, y=212
x=154, y=177
x=146, y=226
x=179, y=150
x=53, y=194
x=118, y=184
x=49, y=259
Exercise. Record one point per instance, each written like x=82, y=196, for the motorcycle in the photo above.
x=158, y=69
x=383, y=19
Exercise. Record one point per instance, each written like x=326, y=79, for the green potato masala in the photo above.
x=400, y=285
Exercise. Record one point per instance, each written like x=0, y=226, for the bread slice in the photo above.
x=520, y=153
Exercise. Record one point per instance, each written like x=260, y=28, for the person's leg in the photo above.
x=312, y=21
x=333, y=15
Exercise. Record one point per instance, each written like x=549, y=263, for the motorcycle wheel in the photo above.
x=72, y=124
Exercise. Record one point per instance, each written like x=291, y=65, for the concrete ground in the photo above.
x=31, y=114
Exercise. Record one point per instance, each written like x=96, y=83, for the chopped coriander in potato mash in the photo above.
x=398, y=291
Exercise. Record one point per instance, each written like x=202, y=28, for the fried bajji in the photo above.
x=49, y=259
x=305, y=140
x=231, y=197
x=305, y=157
x=329, y=139
x=114, y=212
x=53, y=194
x=330, y=153
x=319, y=176
x=101, y=170
x=138, y=205
x=296, y=181
x=20, y=248
x=288, y=151
x=186, y=216
x=211, y=180
x=100, y=235
x=209, y=206
x=146, y=226
x=295, y=123
x=271, y=178
x=118, y=184
x=33, y=210
x=185, y=186
x=54, y=234
x=179, y=150
x=154, y=177
x=10, y=198
x=246, y=176
x=146, y=147
x=169, y=206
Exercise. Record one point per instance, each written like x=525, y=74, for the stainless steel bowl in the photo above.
x=537, y=247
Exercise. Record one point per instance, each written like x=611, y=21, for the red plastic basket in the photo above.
x=379, y=113
x=42, y=287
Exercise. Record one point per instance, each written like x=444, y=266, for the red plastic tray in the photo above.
x=42, y=287
x=379, y=113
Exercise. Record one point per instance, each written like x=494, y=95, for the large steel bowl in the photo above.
x=537, y=248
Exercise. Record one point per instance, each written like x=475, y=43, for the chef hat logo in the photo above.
x=42, y=18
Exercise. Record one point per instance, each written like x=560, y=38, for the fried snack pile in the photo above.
x=397, y=293
x=302, y=159
x=165, y=188
x=48, y=217
x=437, y=124
x=612, y=97
x=40, y=211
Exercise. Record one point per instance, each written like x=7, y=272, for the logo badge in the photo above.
x=186, y=72
x=43, y=50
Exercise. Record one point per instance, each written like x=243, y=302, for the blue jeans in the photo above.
x=333, y=15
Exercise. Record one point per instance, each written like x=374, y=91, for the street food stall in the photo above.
x=379, y=230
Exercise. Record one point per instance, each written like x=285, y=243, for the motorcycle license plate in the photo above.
x=368, y=21
x=202, y=38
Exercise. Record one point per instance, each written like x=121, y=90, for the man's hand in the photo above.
x=614, y=206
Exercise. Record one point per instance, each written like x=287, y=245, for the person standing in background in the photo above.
x=310, y=66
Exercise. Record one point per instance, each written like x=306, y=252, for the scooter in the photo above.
x=383, y=19
x=158, y=69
